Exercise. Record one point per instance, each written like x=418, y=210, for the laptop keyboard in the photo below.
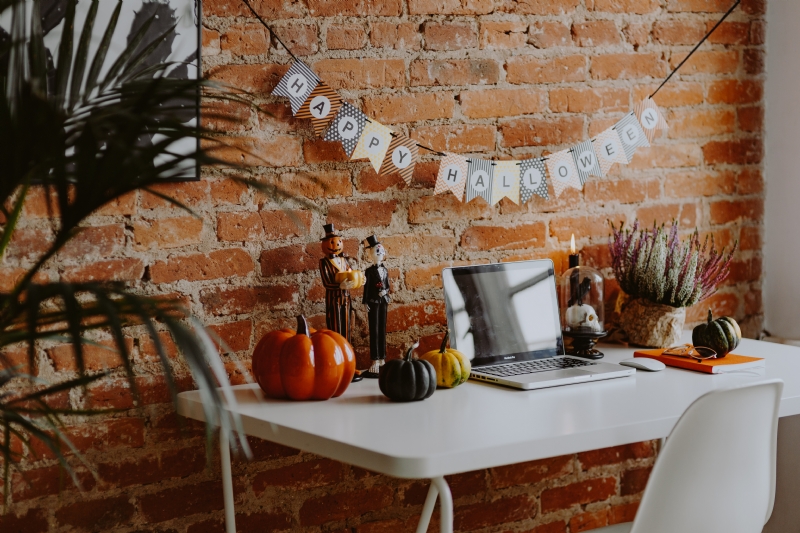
x=530, y=367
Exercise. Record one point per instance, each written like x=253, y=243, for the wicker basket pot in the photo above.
x=652, y=325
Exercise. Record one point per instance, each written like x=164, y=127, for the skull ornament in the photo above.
x=582, y=316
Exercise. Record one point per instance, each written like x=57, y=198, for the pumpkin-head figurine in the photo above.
x=338, y=278
x=376, y=298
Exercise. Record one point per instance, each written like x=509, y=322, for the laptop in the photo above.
x=504, y=317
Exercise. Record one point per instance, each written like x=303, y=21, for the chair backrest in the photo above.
x=716, y=473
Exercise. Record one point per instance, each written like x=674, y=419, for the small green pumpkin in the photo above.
x=721, y=335
x=407, y=379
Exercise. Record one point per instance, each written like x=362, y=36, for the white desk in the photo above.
x=479, y=426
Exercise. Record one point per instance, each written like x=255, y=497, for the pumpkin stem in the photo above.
x=710, y=318
x=446, y=338
x=410, y=350
x=302, y=326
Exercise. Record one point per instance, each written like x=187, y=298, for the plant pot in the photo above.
x=652, y=325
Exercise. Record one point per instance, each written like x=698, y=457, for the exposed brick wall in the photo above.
x=495, y=78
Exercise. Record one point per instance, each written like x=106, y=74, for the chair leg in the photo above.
x=227, y=482
x=427, y=509
x=439, y=488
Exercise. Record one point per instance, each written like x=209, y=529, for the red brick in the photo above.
x=735, y=92
x=46, y=481
x=674, y=94
x=698, y=6
x=540, y=132
x=111, y=270
x=346, y=37
x=288, y=260
x=100, y=241
x=504, y=237
x=399, y=36
x=404, y=317
x=167, y=233
x=302, y=39
x=548, y=34
x=638, y=7
x=210, y=44
x=586, y=521
x=394, y=108
x=317, y=184
x=685, y=214
x=33, y=521
x=701, y=122
x=503, y=35
x=634, y=481
x=628, y=66
x=449, y=36
x=622, y=191
x=95, y=356
x=247, y=523
x=338, y=506
x=356, y=8
x=751, y=119
x=725, y=211
x=122, y=205
x=28, y=244
x=236, y=336
x=450, y=72
x=582, y=492
x=678, y=31
x=637, y=34
x=753, y=303
x=620, y=514
x=368, y=213
x=550, y=527
x=616, y=454
x=528, y=69
x=195, y=498
x=226, y=116
x=428, y=276
x=153, y=468
x=226, y=302
x=720, y=304
x=431, y=208
x=707, y=62
x=217, y=264
x=589, y=100
x=279, y=151
x=485, y=514
x=458, y=138
x=369, y=181
x=255, y=78
x=358, y=74
x=421, y=245
x=531, y=472
x=730, y=33
x=304, y=475
x=321, y=151
x=264, y=450
x=667, y=156
x=751, y=181
x=692, y=184
x=245, y=39
x=758, y=32
x=394, y=525
x=501, y=102
x=596, y=33
x=583, y=227
x=450, y=7
x=539, y=7
x=738, y=152
x=750, y=238
x=187, y=193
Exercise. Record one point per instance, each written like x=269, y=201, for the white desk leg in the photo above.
x=445, y=504
x=427, y=509
x=227, y=482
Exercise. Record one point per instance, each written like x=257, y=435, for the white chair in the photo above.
x=716, y=473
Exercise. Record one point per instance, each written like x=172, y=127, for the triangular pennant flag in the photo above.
x=650, y=118
x=347, y=127
x=373, y=144
x=296, y=84
x=586, y=161
x=532, y=179
x=321, y=106
x=479, y=180
x=505, y=183
x=609, y=150
x=631, y=134
x=562, y=171
x=452, y=175
x=401, y=157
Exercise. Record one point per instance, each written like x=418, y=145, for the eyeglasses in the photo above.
x=699, y=353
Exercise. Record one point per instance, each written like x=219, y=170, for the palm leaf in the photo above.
x=64, y=65
x=82, y=54
x=100, y=55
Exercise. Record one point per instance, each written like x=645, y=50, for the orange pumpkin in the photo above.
x=303, y=365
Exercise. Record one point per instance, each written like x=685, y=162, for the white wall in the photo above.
x=782, y=239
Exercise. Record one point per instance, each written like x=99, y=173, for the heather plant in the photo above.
x=656, y=266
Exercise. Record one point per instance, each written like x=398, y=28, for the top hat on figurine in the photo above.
x=330, y=231
x=371, y=242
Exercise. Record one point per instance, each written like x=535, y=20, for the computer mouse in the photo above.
x=644, y=363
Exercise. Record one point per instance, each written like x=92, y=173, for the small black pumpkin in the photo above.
x=721, y=335
x=407, y=379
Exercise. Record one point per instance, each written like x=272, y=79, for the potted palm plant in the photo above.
x=660, y=277
x=86, y=135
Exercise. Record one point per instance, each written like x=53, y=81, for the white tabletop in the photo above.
x=478, y=426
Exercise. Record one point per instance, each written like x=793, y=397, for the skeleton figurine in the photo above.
x=376, y=298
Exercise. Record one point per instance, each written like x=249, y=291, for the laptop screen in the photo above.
x=503, y=312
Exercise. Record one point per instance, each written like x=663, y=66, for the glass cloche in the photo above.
x=582, y=307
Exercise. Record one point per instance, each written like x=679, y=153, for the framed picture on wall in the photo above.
x=180, y=50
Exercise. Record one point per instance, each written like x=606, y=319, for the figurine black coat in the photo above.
x=376, y=298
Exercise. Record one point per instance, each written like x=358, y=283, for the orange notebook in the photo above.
x=729, y=363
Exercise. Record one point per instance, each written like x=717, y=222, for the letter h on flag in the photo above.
x=297, y=84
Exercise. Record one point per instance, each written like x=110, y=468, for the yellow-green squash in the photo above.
x=452, y=367
x=721, y=335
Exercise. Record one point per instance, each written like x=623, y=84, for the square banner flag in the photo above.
x=401, y=157
x=562, y=171
x=609, y=150
x=586, y=161
x=321, y=106
x=296, y=84
x=452, y=175
x=505, y=183
x=347, y=127
x=479, y=180
x=532, y=179
x=631, y=134
x=373, y=144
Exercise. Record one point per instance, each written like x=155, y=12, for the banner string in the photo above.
x=696, y=46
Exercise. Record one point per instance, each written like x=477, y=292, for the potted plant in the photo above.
x=660, y=277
